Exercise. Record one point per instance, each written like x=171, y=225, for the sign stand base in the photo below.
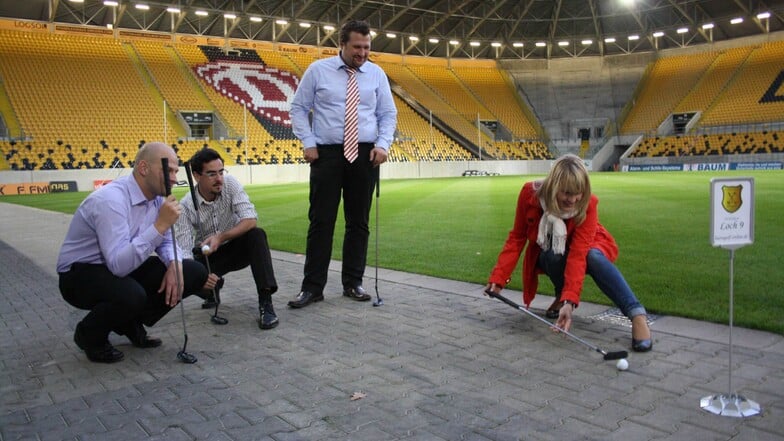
x=730, y=405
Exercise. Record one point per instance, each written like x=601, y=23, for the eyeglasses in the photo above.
x=214, y=174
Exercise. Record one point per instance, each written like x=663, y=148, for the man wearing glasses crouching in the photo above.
x=226, y=221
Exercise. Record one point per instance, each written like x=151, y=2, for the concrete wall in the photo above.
x=291, y=173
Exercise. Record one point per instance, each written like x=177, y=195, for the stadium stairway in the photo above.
x=9, y=116
x=153, y=89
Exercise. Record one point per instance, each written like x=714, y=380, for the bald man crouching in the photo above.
x=106, y=263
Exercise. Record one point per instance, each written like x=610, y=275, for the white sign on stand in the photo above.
x=732, y=226
x=732, y=212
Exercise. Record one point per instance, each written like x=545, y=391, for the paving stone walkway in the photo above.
x=438, y=361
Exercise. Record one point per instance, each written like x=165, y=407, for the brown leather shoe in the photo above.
x=554, y=309
x=357, y=293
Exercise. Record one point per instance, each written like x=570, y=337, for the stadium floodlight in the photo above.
x=763, y=15
x=474, y=44
x=201, y=13
x=281, y=22
x=454, y=42
x=541, y=44
x=682, y=30
x=391, y=35
x=304, y=25
x=586, y=42
x=173, y=10
x=413, y=38
x=609, y=40
x=255, y=19
x=142, y=6
x=230, y=16
x=658, y=34
x=111, y=3
x=329, y=28
x=433, y=40
x=76, y=1
x=495, y=44
x=517, y=44
x=707, y=26
x=737, y=20
x=633, y=37
x=563, y=43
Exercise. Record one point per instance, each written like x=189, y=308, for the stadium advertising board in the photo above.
x=705, y=166
x=37, y=187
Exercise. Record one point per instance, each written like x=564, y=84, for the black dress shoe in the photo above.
x=643, y=345
x=146, y=342
x=267, y=317
x=209, y=303
x=138, y=336
x=102, y=353
x=305, y=298
x=357, y=293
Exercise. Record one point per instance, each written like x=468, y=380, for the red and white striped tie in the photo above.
x=351, y=131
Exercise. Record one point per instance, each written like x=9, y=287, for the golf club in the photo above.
x=182, y=355
x=379, y=301
x=215, y=319
x=607, y=355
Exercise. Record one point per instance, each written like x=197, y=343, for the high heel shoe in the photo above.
x=642, y=344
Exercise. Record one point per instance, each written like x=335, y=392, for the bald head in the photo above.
x=151, y=152
x=148, y=171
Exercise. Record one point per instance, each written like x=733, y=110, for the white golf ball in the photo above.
x=622, y=364
x=205, y=249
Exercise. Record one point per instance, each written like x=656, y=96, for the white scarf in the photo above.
x=552, y=230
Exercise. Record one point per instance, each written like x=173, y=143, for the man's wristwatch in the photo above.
x=567, y=302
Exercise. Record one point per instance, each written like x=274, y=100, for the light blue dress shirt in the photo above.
x=114, y=226
x=323, y=90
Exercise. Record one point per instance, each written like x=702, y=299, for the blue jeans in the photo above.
x=606, y=275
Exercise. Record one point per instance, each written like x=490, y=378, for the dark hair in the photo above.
x=202, y=157
x=358, y=26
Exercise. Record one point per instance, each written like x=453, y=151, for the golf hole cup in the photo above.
x=622, y=364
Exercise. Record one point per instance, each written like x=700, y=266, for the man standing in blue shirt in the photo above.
x=326, y=90
x=106, y=263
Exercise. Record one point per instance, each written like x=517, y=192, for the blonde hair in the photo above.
x=568, y=175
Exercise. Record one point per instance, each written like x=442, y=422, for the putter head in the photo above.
x=378, y=302
x=217, y=320
x=616, y=355
x=186, y=357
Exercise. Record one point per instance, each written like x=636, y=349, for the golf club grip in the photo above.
x=378, y=181
x=166, y=182
x=502, y=298
x=188, y=172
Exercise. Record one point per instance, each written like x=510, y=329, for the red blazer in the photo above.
x=579, y=239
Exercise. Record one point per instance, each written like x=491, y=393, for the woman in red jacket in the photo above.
x=558, y=219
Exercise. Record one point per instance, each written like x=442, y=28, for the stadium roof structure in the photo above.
x=502, y=29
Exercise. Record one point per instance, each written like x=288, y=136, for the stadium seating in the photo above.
x=91, y=101
x=66, y=92
x=711, y=144
x=494, y=91
x=742, y=101
x=667, y=82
